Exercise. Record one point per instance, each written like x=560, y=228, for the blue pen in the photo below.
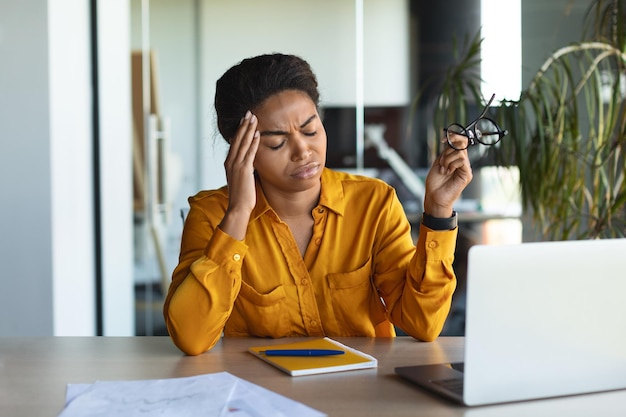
x=302, y=352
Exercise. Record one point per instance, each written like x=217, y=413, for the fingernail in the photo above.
x=253, y=119
x=442, y=170
x=248, y=114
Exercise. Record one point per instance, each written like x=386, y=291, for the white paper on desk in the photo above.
x=219, y=394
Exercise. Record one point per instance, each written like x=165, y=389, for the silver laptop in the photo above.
x=543, y=319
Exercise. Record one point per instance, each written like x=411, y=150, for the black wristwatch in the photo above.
x=438, y=223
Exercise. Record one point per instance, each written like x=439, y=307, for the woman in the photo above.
x=291, y=248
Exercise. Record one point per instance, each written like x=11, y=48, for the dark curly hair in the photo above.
x=247, y=84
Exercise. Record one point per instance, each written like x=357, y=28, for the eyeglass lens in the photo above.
x=457, y=136
x=487, y=132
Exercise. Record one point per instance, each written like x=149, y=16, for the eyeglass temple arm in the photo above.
x=484, y=112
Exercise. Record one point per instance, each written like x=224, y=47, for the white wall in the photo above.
x=118, y=301
x=386, y=61
x=71, y=181
x=25, y=195
x=47, y=278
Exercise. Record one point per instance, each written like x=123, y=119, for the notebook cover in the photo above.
x=309, y=365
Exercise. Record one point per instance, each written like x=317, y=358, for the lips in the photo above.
x=306, y=171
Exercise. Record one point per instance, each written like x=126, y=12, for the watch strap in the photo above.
x=438, y=223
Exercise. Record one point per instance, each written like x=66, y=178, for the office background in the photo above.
x=72, y=252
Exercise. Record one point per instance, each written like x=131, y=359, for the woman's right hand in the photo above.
x=239, y=167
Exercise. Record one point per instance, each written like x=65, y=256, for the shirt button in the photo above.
x=304, y=281
x=432, y=244
x=318, y=241
x=321, y=210
x=313, y=323
x=236, y=257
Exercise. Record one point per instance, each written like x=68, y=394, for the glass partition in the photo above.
x=181, y=48
x=371, y=58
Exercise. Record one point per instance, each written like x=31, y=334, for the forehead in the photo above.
x=285, y=106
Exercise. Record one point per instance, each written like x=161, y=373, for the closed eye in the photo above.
x=310, y=134
x=277, y=147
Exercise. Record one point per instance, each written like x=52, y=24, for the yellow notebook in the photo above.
x=308, y=365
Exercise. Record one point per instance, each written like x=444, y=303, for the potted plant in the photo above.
x=566, y=132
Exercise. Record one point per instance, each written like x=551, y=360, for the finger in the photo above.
x=235, y=140
x=457, y=140
x=246, y=163
x=247, y=138
x=444, y=159
x=241, y=142
x=456, y=165
x=254, y=146
x=451, y=160
x=461, y=169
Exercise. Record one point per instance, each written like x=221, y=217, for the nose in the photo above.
x=299, y=148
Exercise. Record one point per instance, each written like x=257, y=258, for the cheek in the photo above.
x=267, y=161
x=323, y=145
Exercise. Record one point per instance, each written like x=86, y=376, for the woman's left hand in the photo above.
x=450, y=173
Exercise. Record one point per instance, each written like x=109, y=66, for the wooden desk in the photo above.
x=34, y=373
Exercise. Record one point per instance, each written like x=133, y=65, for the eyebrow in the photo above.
x=281, y=132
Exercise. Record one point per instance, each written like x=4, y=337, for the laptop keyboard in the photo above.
x=454, y=385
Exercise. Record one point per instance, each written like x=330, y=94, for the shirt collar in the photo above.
x=331, y=196
x=262, y=205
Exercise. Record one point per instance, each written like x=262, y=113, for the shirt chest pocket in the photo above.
x=354, y=301
x=258, y=314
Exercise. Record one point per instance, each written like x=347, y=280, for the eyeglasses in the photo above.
x=481, y=130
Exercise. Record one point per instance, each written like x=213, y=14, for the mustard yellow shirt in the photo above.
x=360, y=273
